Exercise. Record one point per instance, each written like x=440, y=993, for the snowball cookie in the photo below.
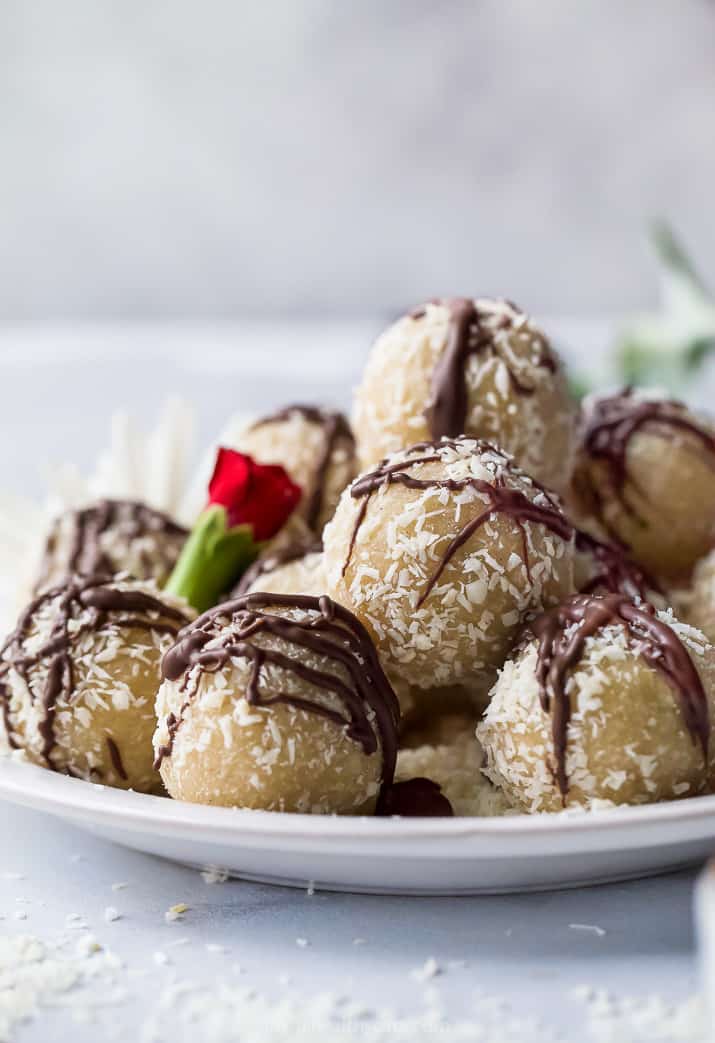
x=303, y=574
x=477, y=367
x=112, y=536
x=276, y=702
x=603, y=567
x=79, y=676
x=607, y=701
x=317, y=449
x=646, y=471
x=441, y=552
x=290, y=567
x=453, y=758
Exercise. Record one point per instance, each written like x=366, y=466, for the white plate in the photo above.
x=391, y=856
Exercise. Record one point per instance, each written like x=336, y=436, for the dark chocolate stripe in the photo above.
x=414, y=798
x=336, y=430
x=116, y=758
x=446, y=413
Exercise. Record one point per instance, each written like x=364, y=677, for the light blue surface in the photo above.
x=58, y=387
x=519, y=948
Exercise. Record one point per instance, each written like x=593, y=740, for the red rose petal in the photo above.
x=260, y=495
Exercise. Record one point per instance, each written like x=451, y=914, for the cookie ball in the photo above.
x=441, y=552
x=276, y=702
x=289, y=566
x=451, y=756
x=645, y=471
x=79, y=677
x=317, y=449
x=112, y=536
x=608, y=700
x=461, y=366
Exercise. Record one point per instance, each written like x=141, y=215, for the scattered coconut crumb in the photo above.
x=215, y=948
x=429, y=969
x=87, y=944
x=302, y=943
x=111, y=914
x=37, y=979
x=214, y=875
x=594, y=928
x=643, y=1019
x=45, y=983
x=120, y=885
x=176, y=912
x=74, y=922
x=359, y=941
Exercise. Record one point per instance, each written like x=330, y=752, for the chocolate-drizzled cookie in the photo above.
x=295, y=678
x=109, y=537
x=79, y=673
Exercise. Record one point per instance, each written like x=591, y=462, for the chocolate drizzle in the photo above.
x=414, y=798
x=116, y=758
x=561, y=635
x=614, y=572
x=274, y=559
x=368, y=706
x=501, y=500
x=83, y=605
x=607, y=429
x=131, y=520
x=336, y=431
x=446, y=413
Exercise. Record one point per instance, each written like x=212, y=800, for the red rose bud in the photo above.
x=248, y=504
x=259, y=495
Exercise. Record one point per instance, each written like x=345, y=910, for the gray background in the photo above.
x=167, y=158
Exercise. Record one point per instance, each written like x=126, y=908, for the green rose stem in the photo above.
x=213, y=559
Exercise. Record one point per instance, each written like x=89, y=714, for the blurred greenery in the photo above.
x=668, y=347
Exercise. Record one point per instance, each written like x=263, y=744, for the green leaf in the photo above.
x=213, y=559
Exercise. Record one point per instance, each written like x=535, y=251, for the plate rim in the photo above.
x=34, y=786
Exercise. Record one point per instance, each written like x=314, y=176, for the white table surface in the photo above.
x=57, y=387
